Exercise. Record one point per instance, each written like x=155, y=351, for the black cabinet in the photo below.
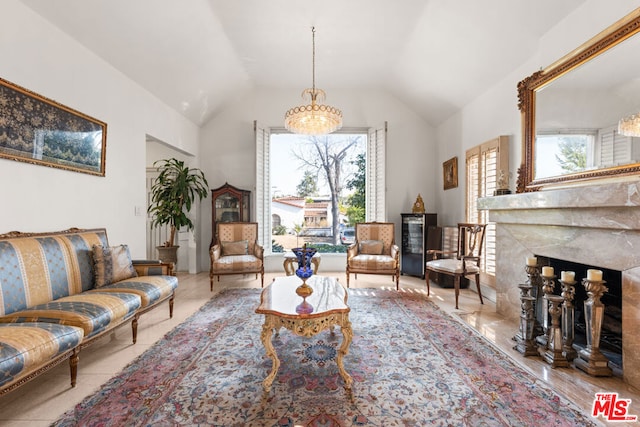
x=420, y=232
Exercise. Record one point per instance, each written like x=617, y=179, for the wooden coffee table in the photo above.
x=278, y=303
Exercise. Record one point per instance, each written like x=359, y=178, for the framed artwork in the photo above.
x=450, y=173
x=38, y=130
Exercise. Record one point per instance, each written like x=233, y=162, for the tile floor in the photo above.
x=43, y=400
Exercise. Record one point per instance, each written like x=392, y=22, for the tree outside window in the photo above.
x=320, y=181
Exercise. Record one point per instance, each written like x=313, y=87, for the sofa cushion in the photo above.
x=80, y=246
x=239, y=247
x=34, y=270
x=149, y=288
x=112, y=264
x=372, y=262
x=452, y=265
x=91, y=311
x=371, y=247
x=26, y=346
x=237, y=263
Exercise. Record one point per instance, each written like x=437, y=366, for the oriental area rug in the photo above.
x=412, y=365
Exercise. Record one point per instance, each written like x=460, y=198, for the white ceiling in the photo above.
x=195, y=55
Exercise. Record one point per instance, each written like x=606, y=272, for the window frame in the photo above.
x=484, y=185
x=375, y=167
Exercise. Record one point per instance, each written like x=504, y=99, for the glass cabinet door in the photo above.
x=229, y=204
x=413, y=235
x=227, y=208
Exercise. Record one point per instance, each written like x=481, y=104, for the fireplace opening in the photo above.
x=611, y=336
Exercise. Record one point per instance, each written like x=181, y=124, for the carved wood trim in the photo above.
x=620, y=31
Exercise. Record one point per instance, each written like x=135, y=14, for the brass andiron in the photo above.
x=590, y=359
x=553, y=354
x=525, y=291
x=568, y=314
x=533, y=278
x=525, y=341
x=549, y=283
x=529, y=327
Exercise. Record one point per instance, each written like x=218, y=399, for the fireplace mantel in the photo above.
x=596, y=225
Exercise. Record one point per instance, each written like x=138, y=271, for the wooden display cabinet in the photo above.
x=229, y=204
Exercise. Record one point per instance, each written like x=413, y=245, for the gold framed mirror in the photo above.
x=571, y=111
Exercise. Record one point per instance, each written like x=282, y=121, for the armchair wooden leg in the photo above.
x=478, y=286
x=397, y=280
x=456, y=285
x=347, y=278
x=426, y=278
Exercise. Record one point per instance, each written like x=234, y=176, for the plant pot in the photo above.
x=168, y=253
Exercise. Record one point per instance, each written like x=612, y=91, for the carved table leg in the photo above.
x=347, y=336
x=265, y=336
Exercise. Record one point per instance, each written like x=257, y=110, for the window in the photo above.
x=576, y=150
x=564, y=151
x=484, y=163
x=375, y=177
x=613, y=149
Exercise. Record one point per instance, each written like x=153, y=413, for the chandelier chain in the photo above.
x=313, y=59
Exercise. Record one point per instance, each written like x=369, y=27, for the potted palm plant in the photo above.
x=173, y=193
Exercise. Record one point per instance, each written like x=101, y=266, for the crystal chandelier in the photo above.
x=314, y=118
x=630, y=126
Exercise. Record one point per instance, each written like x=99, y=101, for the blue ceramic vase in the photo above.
x=304, y=271
x=304, y=255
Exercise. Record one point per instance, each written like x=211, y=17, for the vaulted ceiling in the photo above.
x=196, y=55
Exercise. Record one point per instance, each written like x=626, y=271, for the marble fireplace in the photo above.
x=596, y=225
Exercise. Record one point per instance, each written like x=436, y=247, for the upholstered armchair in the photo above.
x=374, y=251
x=237, y=251
x=465, y=261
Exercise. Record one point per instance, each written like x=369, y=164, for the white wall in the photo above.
x=39, y=57
x=228, y=143
x=496, y=111
x=289, y=215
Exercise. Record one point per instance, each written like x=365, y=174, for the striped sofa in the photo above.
x=53, y=302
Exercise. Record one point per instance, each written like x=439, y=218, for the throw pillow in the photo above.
x=240, y=247
x=112, y=264
x=371, y=247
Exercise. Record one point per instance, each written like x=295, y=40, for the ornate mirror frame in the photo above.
x=607, y=39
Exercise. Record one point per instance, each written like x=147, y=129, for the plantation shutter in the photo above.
x=615, y=149
x=376, y=197
x=483, y=166
x=263, y=185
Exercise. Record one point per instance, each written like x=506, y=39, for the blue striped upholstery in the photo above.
x=26, y=346
x=150, y=289
x=92, y=311
x=49, y=304
x=80, y=247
